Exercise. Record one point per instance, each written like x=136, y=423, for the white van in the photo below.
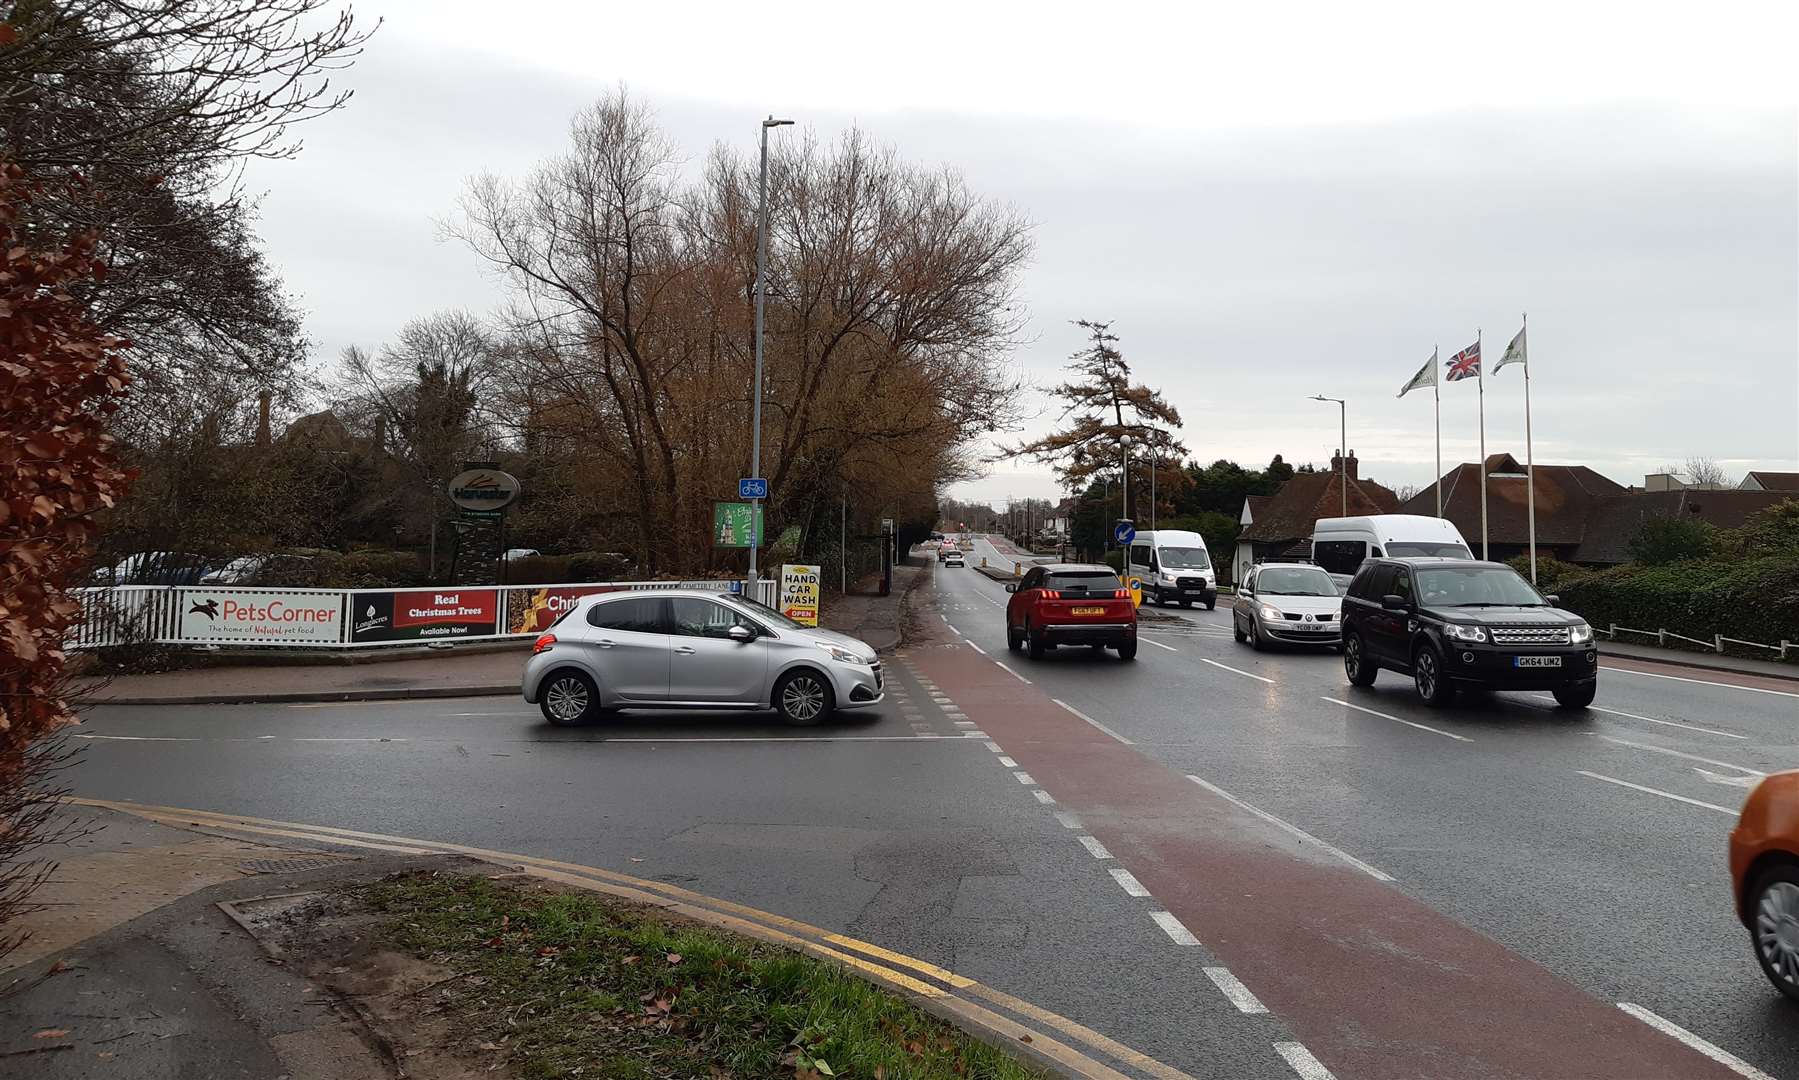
x=1341, y=544
x=1175, y=567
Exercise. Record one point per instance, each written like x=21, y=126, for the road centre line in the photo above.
x=1237, y=671
x=1232, y=987
x=1397, y=720
x=1092, y=721
x=1718, y=1054
x=1173, y=928
x=1128, y=882
x=1669, y=723
x=1307, y=1066
x=1094, y=847
x=1012, y=673
x=1656, y=791
x=1157, y=644
x=1378, y=875
x=1680, y=754
x=1701, y=682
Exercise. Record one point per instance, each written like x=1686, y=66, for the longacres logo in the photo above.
x=370, y=620
x=208, y=608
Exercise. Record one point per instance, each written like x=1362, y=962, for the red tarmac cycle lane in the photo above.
x=1376, y=984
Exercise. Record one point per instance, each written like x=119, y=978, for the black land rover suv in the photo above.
x=1452, y=622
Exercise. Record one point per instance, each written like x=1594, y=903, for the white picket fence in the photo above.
x=1716, y=644
x=200, y=615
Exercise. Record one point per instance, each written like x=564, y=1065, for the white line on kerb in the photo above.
x=1012, y=673
x=1232, y=987
x=1237, y=671
x=1307, y=1066
x=1173, y=928
x=1092, y=721
x=1094, y=847
x=1397, y=720
x=1045, y=798
x=1025, y=779
x=1378, y=875
x=1701, y=682
x=1718, y=1054
x=1068, y=820
x=1656, y=791
x=1157, y=644
x=1008, y=762
x=975, y=647
x=1669, y=723
x=1128, y=882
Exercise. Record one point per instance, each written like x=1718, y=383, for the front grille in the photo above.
x=1192, y=582
x=1315, y=618
x=1529, y=635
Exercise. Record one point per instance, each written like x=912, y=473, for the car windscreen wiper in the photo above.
x=1490, y=603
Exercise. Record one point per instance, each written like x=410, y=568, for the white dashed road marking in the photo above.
x=1307, y=1066
x=1068, y=820
x=1157, y=644
x=1668, y=723
x=1046, y=799
x=1657, y=791
x=1237, y=671
x=1397, y=720
x=1173, y=928
x=1012, y=673
x=1378, y=875
x=1025, y=778
x=1233, y=988
x=1008, y=762
x=1128, y=882
x=1092, y=721
x=1094, y=847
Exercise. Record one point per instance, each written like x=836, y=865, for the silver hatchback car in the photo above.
x=687, y=649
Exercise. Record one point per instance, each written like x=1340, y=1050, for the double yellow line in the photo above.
x=944, y=993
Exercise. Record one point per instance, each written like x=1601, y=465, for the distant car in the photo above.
x=691, y=649
x=1452, y=623
x=954, y=558
x=521, y=553
x=1070, y=604
x=1297, y=603
x=1764, y=874
x=291, y=571
x=949, y=548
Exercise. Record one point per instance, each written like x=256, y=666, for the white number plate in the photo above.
x=1536, y=661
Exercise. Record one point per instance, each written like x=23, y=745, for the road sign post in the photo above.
x=1124, y=532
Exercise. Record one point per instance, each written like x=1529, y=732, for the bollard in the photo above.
x=1718, y=642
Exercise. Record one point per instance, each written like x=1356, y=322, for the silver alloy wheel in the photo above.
x=1777, y=929
x=566, y=698
x=1427, y=674
x=803, y=698
x=1352, y=656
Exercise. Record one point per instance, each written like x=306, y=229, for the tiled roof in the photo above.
x=1565, y=498
x=1775, y=481
x=1289, y=513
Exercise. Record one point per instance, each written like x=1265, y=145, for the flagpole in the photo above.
x=1530, y=465
x=1480, y=373
x=1436, y=392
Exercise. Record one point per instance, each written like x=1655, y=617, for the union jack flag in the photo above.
x=1463, y=365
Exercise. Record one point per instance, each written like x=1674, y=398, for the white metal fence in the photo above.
x=1716, y=644
x=341, y=618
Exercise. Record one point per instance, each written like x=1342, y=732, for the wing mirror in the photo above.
x=1553, y=600
x=1011, y=586
x=1393, y=602
x=740, y=633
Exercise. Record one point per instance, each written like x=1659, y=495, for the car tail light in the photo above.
x=1052, y=594
x=543, y=643
x=1121, y=594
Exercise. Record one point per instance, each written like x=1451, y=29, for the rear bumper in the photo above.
x=1089, y=633
x=1495, y=668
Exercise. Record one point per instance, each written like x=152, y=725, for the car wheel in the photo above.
x=1014, y=639
x=1127, y=651
x=568, y=698
x=1034, y=642
x=1237, y=631
x=1427, y=676
x=1211, y=605
x=1356, y=665
x=803, y=698
x=1577, y=696
x=1256, y=640
x=1774, y=927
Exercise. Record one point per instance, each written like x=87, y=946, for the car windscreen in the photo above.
x=1184, y=558
x=1294, y=581
x=1474, y=586
x=1081, y=581
x=761, y=611
x=1431, y=549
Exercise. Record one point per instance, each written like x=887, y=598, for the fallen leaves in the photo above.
x=50, y=1033
x=674, y=958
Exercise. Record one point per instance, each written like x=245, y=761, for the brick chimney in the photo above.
x=1351, y=471
x=262, y=419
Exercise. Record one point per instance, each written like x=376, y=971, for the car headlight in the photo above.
x=1269, y=611
x=1580, y=633
x=841, y=654
x=1465, y=633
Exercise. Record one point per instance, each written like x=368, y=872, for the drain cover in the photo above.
x=287, y=866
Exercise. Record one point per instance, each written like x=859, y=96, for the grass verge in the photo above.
x=570, y=984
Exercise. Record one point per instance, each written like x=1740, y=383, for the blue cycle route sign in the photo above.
x=1124, y=532
x=752, y=487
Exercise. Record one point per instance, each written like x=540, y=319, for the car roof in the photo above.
x=1293, y=563
x=1438, y=560
x=713, y=594
x=1066, y=567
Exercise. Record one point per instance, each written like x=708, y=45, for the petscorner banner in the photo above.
x=261, y=616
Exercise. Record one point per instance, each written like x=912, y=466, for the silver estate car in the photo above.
x=1295, y=603
x=689, y=649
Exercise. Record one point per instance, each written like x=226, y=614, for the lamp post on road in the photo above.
x=1342, y=449
x=761, y=264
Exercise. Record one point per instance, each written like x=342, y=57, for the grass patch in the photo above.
x=577, y=985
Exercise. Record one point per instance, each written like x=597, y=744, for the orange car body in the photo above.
x=1767, y=831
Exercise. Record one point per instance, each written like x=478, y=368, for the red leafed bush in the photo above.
x=60, y=377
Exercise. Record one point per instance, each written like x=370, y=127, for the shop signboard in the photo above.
x=261, y=616
x=800, y=592
x=423, y=615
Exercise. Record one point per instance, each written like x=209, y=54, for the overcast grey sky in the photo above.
x=1267, y=206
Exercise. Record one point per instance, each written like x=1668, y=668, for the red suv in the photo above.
x=1071, y=604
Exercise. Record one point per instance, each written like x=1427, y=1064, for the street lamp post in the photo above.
x=1342, y=449
x=761, y=271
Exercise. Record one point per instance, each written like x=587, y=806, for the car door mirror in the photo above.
x=1011, y=586
x=1393, y=602
x=739, y=632
x=1553, y=600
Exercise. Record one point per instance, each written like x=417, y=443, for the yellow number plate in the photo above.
x=1087, y=611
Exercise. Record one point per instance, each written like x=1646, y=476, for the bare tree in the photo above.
x=1706, y=473
x=1406, y=491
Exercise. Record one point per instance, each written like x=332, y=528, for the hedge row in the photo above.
x=1755, y=599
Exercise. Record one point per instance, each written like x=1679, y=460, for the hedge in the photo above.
x=1755, y=599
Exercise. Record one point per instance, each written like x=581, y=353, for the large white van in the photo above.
x=1175, y=568
x=1340, y=544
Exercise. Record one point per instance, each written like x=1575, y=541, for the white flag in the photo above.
x=1427, y=376
x=1514, y=353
